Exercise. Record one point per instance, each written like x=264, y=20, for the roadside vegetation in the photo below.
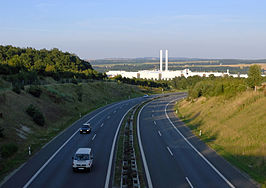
x=59, y=106
x=230, y=113
x=42, y=92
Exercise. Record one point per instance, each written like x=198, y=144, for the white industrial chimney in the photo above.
x=161, y=60
x=166, y=60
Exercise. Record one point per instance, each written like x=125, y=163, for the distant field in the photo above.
x=234, y=66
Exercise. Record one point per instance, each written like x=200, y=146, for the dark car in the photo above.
x=86, y=128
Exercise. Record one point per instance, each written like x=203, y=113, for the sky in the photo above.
x=94, y=29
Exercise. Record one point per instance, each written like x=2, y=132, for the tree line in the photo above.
x=214, y=86
x=54, y=63
x=142, y=82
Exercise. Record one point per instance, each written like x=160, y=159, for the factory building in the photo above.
x=166, y=74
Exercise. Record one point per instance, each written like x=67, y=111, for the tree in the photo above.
x=254, y=76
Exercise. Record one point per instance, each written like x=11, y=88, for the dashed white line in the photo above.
x=154, y=122
x=102, y=125
x=200, y=154
x=47, y=162
x=159, y=133
x=190, y=184
x=107, y=179
x=93, y=137
x=169, y=150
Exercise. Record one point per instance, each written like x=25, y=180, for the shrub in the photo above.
x=7, y=150
x=36, y=91
x=31, y=110
x=74, y=81
x=39, y=118
x=36, y=115
x=16, y=88
x=1, y=132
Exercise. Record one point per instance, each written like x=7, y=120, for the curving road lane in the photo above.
x=52, y=165
x=175, y=157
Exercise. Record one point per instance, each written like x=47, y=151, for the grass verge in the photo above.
x=234, y=128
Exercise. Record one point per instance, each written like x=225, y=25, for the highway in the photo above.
x=174, y=157
x=52, y=165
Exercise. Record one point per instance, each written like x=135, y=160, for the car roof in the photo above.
x=83, y=151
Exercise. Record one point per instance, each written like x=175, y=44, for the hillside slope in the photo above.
x=61, y=104
x=235, y=128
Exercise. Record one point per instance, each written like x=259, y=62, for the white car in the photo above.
x=82, y=159
x=146, y=96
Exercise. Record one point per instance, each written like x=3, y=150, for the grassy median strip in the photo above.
x=119, y=152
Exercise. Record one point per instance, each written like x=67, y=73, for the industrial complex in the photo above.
x=167, y=74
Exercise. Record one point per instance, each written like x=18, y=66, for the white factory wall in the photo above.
x=167, y=75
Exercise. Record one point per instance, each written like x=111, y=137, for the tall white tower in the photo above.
x=166, y=60
x=161, y=60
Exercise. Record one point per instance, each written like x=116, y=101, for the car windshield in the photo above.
x=85, y=126
x=82, y=157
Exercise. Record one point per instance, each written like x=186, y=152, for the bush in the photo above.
x=36, y=91
x=16, y=88
x=74, y=81
x=39, y=118
x=36, y=115
x=31, y=110
x=8, y=150
x=1, y=132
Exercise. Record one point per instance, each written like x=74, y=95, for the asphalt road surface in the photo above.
x=174, y=157
x=52, y=165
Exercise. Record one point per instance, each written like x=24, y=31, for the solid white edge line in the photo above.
x=202, y=156
x=169, y=150
x=47, y=162
x=93, y=137
x=107, y=179
x=154, y=122
x=142, y=152
x=159, y=133
x=190, y=184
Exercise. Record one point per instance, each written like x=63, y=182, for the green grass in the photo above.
x=235, y=128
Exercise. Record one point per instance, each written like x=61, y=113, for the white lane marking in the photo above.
x=202, y=156
x=47, y=162
x=93, y=137
x=102, y=125
x=107, y=179
x=152, y=115
x=108, y=117
x=169, y=150
x=143, y=154
x=154, y=122
x=159, y=133
x=189, y=182
x=115, y=111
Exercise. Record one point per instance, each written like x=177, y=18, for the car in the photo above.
x=82, y=159
x=146, y=96
x=86, y=128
